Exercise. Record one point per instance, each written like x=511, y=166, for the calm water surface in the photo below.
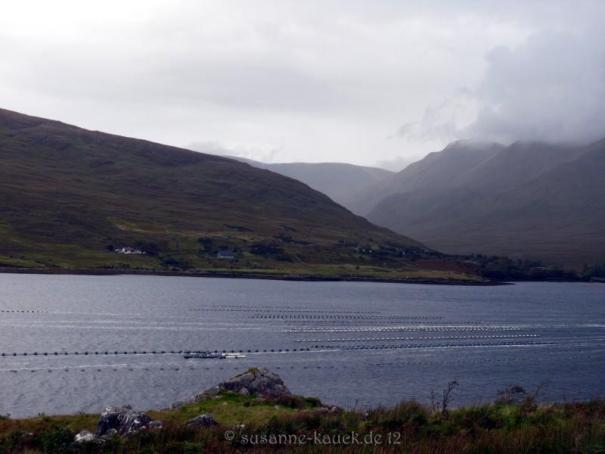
x=361, y=344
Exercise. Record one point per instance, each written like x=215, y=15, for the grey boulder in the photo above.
x=125, y=421
x=253, y=382
x=203, y=420
x=85, y=437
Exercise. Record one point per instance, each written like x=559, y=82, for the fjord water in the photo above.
x=362, y=344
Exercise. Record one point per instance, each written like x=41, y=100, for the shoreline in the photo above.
x=245, y=275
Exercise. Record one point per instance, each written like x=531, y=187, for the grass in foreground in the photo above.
x=305, y=426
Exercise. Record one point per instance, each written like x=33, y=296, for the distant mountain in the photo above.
x=527, y=200
x=341, y=182
x=73, y=198
x=431, y=173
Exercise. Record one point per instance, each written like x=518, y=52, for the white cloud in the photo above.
x=306, y=81
x=262, y=155
x=552, y=88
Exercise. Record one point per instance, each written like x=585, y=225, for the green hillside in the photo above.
x=77, y=199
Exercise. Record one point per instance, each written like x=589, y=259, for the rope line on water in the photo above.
x=150, y=352
x=237, y=366
x=402, y=328
x=271, y=350
x=361, y=339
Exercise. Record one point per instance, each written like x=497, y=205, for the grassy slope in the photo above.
x=68, y=194
x=499, y=427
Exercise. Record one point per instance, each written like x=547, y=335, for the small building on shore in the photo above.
x=128, y=251
x=225, y=254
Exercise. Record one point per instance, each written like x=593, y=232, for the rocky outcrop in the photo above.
x=125, y=421
x=117, y=421
x=253, y=382
x=85, y=437
x=201, y=421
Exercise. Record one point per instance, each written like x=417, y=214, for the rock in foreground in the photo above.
x=125, y=421
x=254, y=382
x=200, y=421
x=85, y=436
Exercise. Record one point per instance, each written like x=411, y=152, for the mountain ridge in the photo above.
x=507, y=203
x=71, y=198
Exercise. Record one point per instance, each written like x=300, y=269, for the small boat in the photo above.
x=213, y=355
x=233, y=356
x=203, y=355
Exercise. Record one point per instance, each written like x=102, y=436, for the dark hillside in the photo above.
x=75, y=198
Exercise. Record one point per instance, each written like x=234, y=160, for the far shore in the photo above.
x=247, y=275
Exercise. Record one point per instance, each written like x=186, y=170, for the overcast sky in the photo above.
x=368, y=82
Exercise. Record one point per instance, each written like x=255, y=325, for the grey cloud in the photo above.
x=552, y=88
x=396, y=164
x=316, y=81
x=445, y=121
x=216, y=148
x=242, y=81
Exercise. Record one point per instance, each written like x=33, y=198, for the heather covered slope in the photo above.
x=71, y=198
x=528, y=200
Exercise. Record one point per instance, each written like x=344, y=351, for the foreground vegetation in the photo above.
x=514, y=423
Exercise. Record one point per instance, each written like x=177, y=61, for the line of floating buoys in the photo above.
x=22, y=311
x=152, y=352
x=341, y=314
x=461, y=343
x=448, y=345
x=349, y=365
x=322, y=317
x=87, y=353
x=282, y=309
x=402, y=328
x=362, y=339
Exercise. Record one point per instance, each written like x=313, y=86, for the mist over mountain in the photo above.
x=432, y=172
x=340, y=181
x=528, y=200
